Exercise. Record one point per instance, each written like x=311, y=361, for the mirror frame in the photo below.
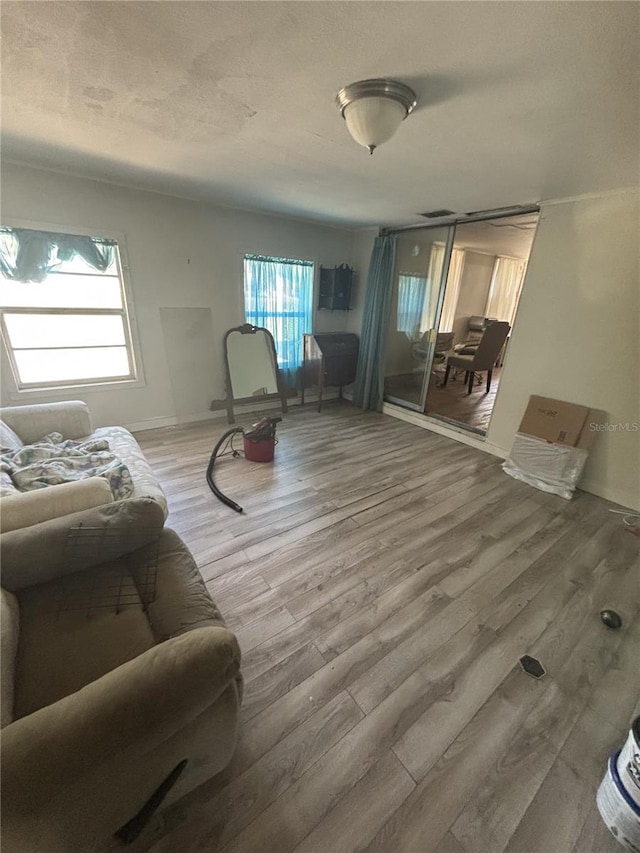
x=248, y=329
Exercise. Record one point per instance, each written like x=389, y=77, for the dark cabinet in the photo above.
x=335, y=288
x=329, y=359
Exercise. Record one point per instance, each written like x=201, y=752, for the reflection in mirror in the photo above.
x=413, y=304
x=251, y=367
x=415, y=300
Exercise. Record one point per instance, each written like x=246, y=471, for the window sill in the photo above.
x=67, y=392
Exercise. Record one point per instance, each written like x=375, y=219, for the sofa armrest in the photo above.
x=58, y=760
x=70, y=417
x=40, y=552
x=27, y=508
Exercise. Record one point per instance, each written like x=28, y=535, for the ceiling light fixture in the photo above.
x=375, y=109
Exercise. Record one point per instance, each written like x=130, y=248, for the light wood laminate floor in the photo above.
x=383, y=582
x=451, y=402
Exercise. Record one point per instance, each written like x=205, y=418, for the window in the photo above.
x=63, y=309
x=413, y=293
x=505, y=289
x=278, y=294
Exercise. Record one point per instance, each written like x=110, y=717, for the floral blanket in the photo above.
x=51, y=461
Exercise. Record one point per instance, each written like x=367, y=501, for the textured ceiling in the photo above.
x=233, y=101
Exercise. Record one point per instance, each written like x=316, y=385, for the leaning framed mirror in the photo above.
x=251, y=368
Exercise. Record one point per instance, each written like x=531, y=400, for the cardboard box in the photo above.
x=595, y=418
x=551, y=447
x=562, y=423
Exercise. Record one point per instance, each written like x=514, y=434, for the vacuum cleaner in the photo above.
x=259, y=446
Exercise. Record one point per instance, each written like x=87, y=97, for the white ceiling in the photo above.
x=233, y=102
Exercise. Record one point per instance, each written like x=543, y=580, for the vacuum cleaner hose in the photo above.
x=216, y=491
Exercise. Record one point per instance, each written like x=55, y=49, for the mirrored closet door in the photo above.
x=422, y=259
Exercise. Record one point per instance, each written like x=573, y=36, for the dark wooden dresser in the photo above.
x=329, y=359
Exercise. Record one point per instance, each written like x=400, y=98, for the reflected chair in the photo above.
x=420, y=350
x=475, y=329
x=485, y=356
x=444, y=343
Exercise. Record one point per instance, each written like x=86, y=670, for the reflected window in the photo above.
x=413, y=303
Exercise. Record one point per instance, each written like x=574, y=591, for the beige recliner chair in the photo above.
x=120, y=682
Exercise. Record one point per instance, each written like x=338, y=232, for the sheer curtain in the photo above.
x=434, y=274
x=504, y=292
x=454, y=277
x=412, y=299
x=368, y=391
x=278, y=295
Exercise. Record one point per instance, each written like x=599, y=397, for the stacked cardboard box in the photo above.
x=552, y=444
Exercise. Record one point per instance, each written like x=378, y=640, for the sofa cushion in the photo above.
x=75, y=629
x=9, y=440
x=70, y=417
x=124, y=445
x=10, y=630
x=78, y=627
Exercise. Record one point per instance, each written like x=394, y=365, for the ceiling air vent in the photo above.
x=436, y=214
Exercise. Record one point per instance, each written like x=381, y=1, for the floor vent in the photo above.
x=532, y=666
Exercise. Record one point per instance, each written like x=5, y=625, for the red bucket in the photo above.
x=259, y=451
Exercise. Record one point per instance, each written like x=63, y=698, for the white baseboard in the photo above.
x=163, y=422
x=450, y=431
x=221, y=414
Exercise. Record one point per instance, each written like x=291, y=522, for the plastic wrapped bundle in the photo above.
x=554, y=468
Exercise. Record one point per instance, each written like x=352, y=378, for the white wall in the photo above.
x=181, y=254
x=577, y=333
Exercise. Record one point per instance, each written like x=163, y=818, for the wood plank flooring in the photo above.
x=452, y=402
x=383, y=582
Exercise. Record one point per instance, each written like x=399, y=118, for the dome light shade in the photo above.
x=372, y=121
x=375, y=109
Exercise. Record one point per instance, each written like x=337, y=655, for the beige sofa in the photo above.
x=116, y=669
x=72, y=419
